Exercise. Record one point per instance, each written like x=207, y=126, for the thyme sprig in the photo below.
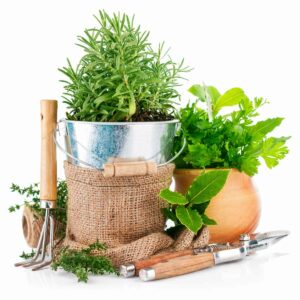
x=82, y=263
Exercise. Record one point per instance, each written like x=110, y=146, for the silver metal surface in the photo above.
x=247, y=245
x=127, y=270
x=245, y=237
x=229, y=255
x=260, y=241
x=91, y=144
x=41, y=259
x=147, y=274
x=47, y=204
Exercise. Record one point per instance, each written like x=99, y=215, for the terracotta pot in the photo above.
x=236, y=208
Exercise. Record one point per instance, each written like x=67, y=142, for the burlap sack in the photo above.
x=122, y=212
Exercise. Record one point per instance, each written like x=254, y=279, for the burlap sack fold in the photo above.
x=122, y=212
x=187, y=239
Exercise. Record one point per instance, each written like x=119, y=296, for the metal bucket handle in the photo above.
x=88, y=165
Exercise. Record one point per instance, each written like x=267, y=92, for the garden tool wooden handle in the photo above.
x=155, y=259
x=48, y=151
x=178, y=266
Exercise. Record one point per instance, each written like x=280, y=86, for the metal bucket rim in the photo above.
x=124, y=123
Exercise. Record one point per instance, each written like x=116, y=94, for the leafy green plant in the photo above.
x=120, y=77
x=230, y=140
x=82, y=263
x=32, y=200
x=189, y=210
x=28, y=255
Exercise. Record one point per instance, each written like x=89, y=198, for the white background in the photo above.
x=250, y=44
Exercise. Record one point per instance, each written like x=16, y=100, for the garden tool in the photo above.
x=48, y=186
x=132, y=269
x=182, y=262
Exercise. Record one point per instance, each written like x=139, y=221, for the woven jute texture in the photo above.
x=122, y=212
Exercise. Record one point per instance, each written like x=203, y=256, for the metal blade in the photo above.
x=260, y=241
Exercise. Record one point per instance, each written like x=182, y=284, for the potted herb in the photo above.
x=121, y=95
x=221, y=139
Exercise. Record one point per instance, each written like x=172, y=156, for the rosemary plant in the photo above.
x=120, y=77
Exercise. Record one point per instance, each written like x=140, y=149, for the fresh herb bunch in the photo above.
x=120, y=77
x=189, y=210
x=231, y=140
x=32, y=200
x=82, y=263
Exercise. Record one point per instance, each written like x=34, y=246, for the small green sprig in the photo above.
x=32, y=200
x=189, y=210
x=28, y=255
x=82, y=263
x=31, y=195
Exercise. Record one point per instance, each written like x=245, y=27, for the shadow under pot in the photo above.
x=236, y=208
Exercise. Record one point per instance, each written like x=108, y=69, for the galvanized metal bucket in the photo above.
x=91, y=144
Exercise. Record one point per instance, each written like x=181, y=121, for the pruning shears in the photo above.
x=182, y=262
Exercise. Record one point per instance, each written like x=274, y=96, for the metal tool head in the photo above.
x=260, y=241
x=41, y=258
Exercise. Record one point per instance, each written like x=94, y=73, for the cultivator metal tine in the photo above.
x=48, y=261
x=40, y=258
x=38, y=250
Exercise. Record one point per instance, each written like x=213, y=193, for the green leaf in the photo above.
x=207, y=221
x=100, y=100
x=273, y=150
x=201, y=207
x=189, y=218
x=12, y=209
x=132, y=106
x=206, y=186
x=198, y=91
x=262, y=128
x=249, y=165
x=214, y=93
x=229, y=98
x=199, y=155
x=173, y=197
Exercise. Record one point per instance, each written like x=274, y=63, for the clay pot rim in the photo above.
x=197, y=171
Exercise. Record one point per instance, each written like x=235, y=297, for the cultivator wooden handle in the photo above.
x=48, y=152
x=178, y=266
x=48, y=187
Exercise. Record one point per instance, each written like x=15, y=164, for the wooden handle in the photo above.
x=129, y=168
x=48, y=151
x=155, y=259
x=178, y=266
